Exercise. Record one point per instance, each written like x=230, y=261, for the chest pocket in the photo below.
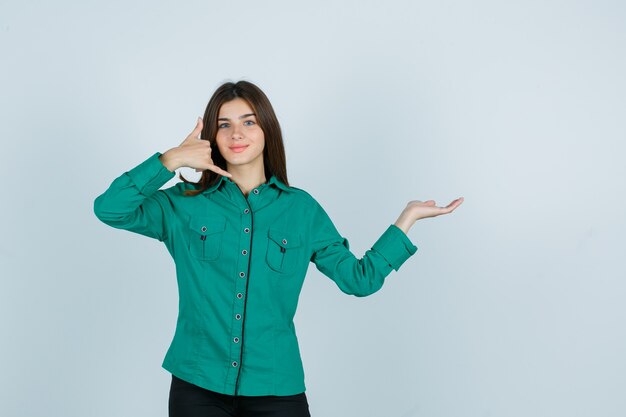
x=205, y=237
x=283, y=250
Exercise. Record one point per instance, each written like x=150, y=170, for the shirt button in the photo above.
x=284, y=241
x=246, y=230
x=203, y=228
x=246, y=211
x=242, y=274
x=236, y=340
x=244, y=252
x=235, y=364
x=255, y=191
x=239, y=295
x=238, y=316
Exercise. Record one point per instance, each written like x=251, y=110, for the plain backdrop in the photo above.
x=513, y=304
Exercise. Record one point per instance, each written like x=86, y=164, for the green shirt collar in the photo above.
x=272, y=181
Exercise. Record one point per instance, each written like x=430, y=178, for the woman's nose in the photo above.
x=237, y=132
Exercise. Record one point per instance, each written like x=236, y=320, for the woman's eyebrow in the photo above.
x=241, y=117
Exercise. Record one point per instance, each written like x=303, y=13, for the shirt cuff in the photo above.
x=150, y=175
x=395, y=246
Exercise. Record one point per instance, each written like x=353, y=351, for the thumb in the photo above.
x=199, y=124
x=195, y=133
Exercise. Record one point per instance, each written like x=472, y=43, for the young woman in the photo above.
x=242, y=239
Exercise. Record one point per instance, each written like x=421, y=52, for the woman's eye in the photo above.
x=222, y=125
x=250, y=122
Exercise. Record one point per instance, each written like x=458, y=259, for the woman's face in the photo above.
x=239, y=137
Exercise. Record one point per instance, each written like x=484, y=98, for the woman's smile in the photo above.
x=238, y=148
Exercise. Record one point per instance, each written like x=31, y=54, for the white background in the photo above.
x=513, y=304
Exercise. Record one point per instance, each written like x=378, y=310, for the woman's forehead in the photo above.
x=235, y=108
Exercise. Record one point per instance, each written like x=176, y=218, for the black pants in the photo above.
x=189, y=400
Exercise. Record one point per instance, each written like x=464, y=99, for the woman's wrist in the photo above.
x=405, y=222
x=168, y=161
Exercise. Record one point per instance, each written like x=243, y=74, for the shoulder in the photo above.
x=302, y=194
x=305, y=199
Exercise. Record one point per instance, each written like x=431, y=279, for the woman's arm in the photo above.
x=134, y=202
x=332, y=256
x=364, y=276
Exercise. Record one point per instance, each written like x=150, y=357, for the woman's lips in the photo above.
x=238, y=149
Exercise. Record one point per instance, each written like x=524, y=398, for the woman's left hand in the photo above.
x=417, y=209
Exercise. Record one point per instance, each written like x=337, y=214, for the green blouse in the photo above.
x=240, y=266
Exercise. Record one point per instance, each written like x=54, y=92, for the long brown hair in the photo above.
x=274, y=161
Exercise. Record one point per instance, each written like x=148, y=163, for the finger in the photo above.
x=458, y=201
x=215, y=169
x=454, y=204
x=219, y=170
x=196, y=131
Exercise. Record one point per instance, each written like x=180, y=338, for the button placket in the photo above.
x=243, y=266
x=240, y=290
x=240, y=287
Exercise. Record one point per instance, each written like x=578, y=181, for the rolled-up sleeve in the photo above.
x=395, y=246
x=360, y=277
x=133, y=201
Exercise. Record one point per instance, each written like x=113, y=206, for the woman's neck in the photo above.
x=246, y=177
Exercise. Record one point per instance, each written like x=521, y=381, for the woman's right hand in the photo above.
x=417, y=209
x=193, y=152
